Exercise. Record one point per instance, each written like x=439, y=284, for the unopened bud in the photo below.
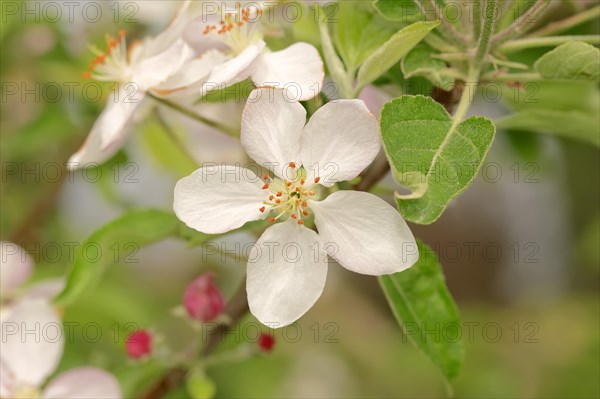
x=138, y=344
x=266, y=342
x=203, y=299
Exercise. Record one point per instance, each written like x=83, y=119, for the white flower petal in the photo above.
x=340, y=141
x=188, y=81
x=271, y=129
x=195, y=37
x=172, y=32
x=83, y=383
x=158, y=68
x=298, y=68
x=217, y=199
x=233, y=71
x=110, y=130
x=15, y=268
x=365, y=234
x=45, y=290
x=32, y=341
x=7, y=385
x=287, y=269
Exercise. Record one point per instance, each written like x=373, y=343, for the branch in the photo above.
x=561, y=26
x=550, y=41
x=522, y=24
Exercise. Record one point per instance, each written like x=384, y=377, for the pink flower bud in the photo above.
x=138, y=344
x=203, y=299
x=266, y=342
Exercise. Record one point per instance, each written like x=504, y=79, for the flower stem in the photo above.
x=486, y=35
x=191, y=114
x=175, y=138
x=561, y=26
x=550, y=41
x=338, y=72
x=522, y=24
x=511, y=77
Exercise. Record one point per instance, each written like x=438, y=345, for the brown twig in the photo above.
x=24, y=232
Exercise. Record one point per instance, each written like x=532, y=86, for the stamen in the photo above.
x=266, y=176
x=300, y=222
x=292, y=165
x=317, y=179
x=271, y=220
x=279, y=193
x=262, y=210
x=266, y=186
x=304, y=204
x=294, y=216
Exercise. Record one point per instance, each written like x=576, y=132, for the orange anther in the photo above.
x=262, y=209
x=277, y=201
x=302, y=181
x=317, y=179
x=271, y=220
x=271, y=198
x=300, y=222
x=297, y=202
x=266, y=176
x=305, y=213
x=297, y=189
x=292, y=165
x=289, y=184
x=294, y=216
x=279, y=193
x=265, y=186
x=304, y=204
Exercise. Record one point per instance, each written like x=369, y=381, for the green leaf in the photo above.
x=573, y=124
x=426, y=311
x=420, y=63
x=200, y=386
x=358, y=32
x=429, y=154
x=397, y=10
x=393, y=51
x=570, y=61
x=115, y=242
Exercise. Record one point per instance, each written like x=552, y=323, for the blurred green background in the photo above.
x=520, y=248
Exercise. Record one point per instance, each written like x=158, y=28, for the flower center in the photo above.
x=289, y=198
x=111, y=65
x=238, y=29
